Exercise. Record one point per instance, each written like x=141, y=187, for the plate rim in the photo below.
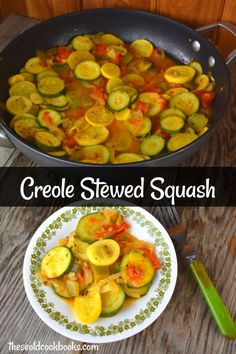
x=87, y=337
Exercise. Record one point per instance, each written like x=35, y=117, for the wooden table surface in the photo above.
x=186, y=326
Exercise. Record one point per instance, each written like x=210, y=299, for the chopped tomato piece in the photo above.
x=43, y=64
x=93, y=220
x=143, y=107
x=47, y=118
x=206, y=98
x=111, y=229
x=98, y=95
x=153, y=258
x=100, y=49
x=150, y=87
x=69, y=142
x=80, y=276
x=117, y=59
x=123, y=70
x=135, y=273
x=63, y=53
x=163, y=134
x=68, y=78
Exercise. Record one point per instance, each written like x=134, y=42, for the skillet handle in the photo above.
x=228, y=27
x=4, y=141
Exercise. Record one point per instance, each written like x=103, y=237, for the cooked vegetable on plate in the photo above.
x=100, y=265
x=101, y=100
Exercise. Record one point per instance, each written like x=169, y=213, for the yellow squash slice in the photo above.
x=78, y=56
x=103, y=252
x=110, y=71
x=88, y=307
x=142, y=48
x=34, y=65
x=92, y=136
x=99, y=116
x=179, y=74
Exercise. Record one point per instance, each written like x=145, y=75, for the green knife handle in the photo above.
x=223, y=319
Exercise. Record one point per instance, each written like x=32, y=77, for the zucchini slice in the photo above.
x=118, y=100
x=87, y=70
x=128, y=157
x=46, y=73
x=172, y=112
x=59, y=109
x=46, y=140
x=92, y=154
x=28, y=76
x=15, y=78
x=82, y=43
x=152, y=145
x=57, y=262
x=172, y=124
x=136, y=293
x=48, y=117
x=23, y=88
x=197, y=122
x=112, y=300
x=196, y=66
x=110, y=39
x=202, y=81
x=66, y=288
x=174, y=91
x=51, y=86
x=103, y=252
x=21, y=116
x=142, y=130
x=154, y=101
x=139, y=65
x=179, y=74
x=35, y=65
x=187, y=102
x=112, y=83
x=134, y=80
x=92, y=136
x=89, y=225
x=99, y=116
x=59, y=153
x=141, y=48
x=18, y=105
x=180, y=140
x=132, y=92
x=136, y=270
x=36, y=98
x=58, y=102
x=78, y=56
x=25, y=127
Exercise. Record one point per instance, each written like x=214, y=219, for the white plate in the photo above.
x=127, y=322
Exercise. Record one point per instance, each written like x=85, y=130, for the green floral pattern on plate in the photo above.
x=121, y=326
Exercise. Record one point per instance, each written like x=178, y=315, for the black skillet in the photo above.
x=179, y=41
